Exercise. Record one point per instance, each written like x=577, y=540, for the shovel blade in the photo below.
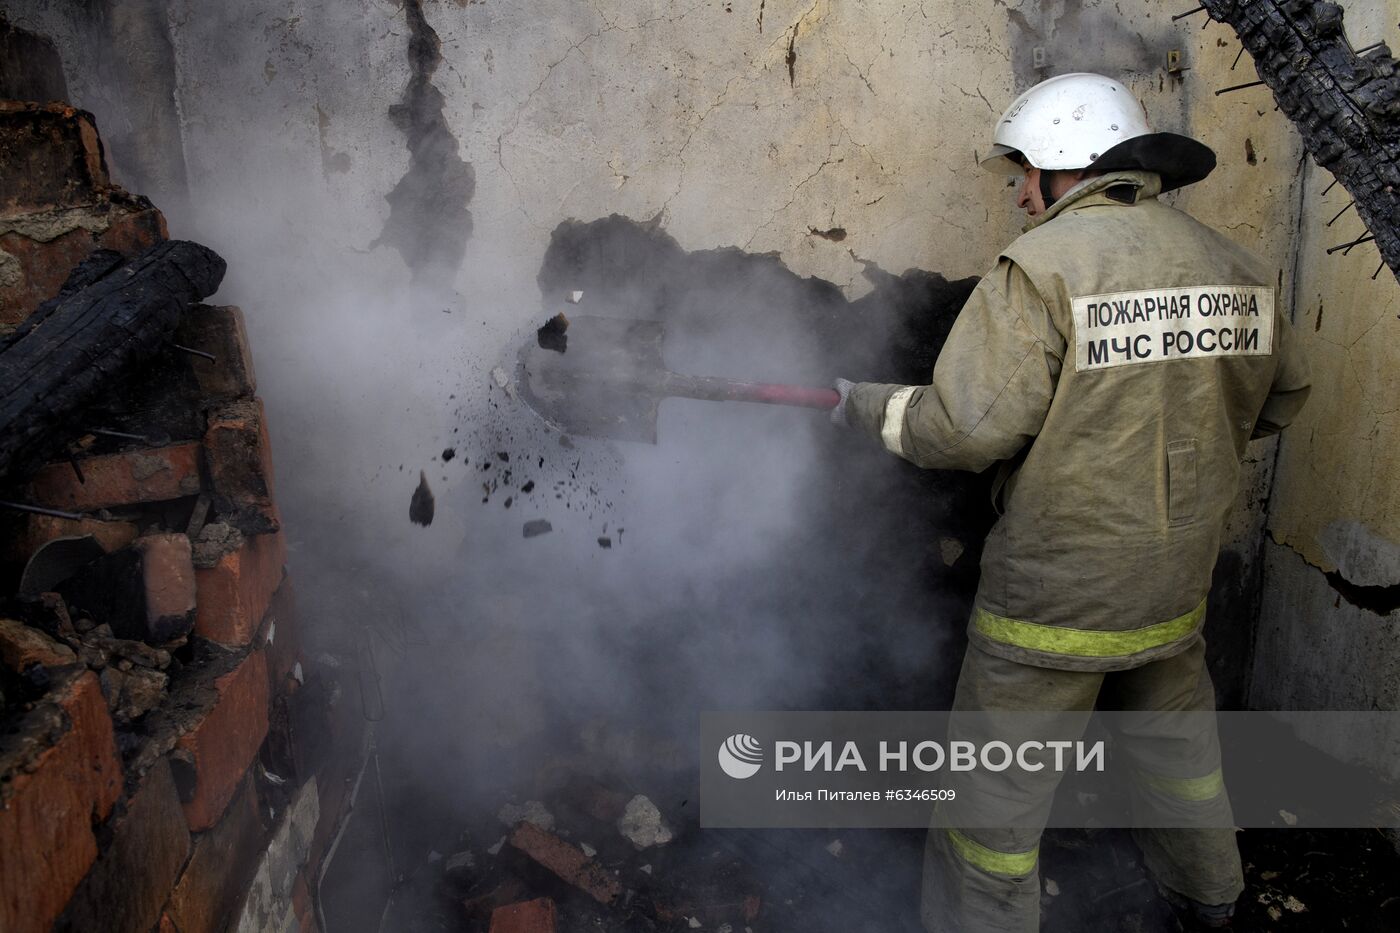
x=604, y=382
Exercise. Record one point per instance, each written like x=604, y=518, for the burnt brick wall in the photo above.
x=162, y=761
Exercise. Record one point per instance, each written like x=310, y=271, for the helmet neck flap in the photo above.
x=1178, y=159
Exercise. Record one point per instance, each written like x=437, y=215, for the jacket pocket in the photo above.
x=1181, y=482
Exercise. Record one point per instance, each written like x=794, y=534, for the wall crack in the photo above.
x=1381, y=599
x=429, y=223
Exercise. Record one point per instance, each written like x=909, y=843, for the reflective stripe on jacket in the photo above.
x=1115, y=362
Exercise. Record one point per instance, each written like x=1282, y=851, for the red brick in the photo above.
x=133, y=877
x=22, y=645
x=222, y=745
x=240, y=466
x=62, y=777
x=135, y=226
x=119, y=222
x=127, y=478
x=234, y=595
x=220, y=332
x=535, y=916
x=167, y=572
x=38, y=530
x=566, y=861
x=220, y=867
x=50, y=157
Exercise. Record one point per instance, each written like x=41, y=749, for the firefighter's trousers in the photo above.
x=979, y=880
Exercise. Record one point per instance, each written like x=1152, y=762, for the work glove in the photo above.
x=838, y=414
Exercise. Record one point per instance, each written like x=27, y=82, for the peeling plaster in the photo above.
x=10, y=270
x=50, y=225
x=332, y=161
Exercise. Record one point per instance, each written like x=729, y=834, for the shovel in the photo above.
x=608, y=379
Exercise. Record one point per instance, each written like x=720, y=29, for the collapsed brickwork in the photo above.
x=165, y=750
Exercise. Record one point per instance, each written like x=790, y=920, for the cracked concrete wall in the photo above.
x=1316, y=651
x=1332, y=577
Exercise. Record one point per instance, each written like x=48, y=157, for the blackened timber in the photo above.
x=1346, y=106
x=106, y=321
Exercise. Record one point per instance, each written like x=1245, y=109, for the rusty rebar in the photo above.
x=40, y=510
x=193, y=352
x=1340, y=213
x=1346, y=246
x=1237, y=87
x=1354, y=245
x=120, y=435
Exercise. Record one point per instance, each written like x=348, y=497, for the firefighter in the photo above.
x=1113, y=365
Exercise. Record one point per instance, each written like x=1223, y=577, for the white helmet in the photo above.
x=1067, y=122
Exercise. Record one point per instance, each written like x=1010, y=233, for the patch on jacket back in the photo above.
x=1156, y=325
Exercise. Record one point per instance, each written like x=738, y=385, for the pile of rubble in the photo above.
x=596, y=856
x=132, y=674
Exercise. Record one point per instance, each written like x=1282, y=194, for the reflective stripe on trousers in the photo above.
x=1086, y=643
x=1192, y=790
x=990, y=860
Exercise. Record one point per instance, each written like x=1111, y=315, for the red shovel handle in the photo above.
x=771, y=394
x=713, y=388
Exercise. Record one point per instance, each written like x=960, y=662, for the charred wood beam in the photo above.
x=109, y=318
x=1346, y=105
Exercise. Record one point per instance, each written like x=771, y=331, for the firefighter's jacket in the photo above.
x=1114, y=363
